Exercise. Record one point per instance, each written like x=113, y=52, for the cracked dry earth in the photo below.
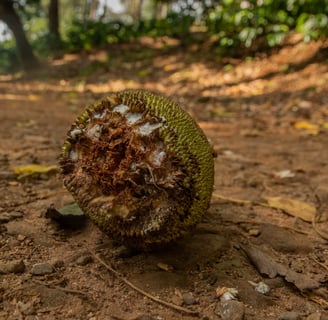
x=267, y=120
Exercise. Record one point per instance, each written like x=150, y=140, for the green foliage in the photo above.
x=45, y=44
x=28, y=9
x=312, y=25
x=89, y=34
x=235, y=25
x=241, y=23
x=8, y=58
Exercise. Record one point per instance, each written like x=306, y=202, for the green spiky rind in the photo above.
x=187, y=140
x=182, y=137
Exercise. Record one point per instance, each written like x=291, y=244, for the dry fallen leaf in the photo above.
x=310, y=128
x=265, y=264
x=293, y=207
x=34, y=170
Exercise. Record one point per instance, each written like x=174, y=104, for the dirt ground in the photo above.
x=267, y=119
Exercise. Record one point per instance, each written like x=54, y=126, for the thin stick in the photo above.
x=144, y=293
x=60, y=288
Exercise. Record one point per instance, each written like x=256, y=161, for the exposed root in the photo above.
x=142, y=292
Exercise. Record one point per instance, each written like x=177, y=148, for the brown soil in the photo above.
x=248, y=109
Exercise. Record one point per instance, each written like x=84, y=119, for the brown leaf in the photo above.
x=265, y=264
x=293, y=207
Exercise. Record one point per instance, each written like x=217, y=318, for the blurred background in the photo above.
x=34, y=31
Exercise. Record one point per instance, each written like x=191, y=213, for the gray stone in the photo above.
x=26, y=308
x=41, y=269
x=8, y=216
x=14, y=266
x=83, y=260
x=188, y=299
x=230, y=310
x=4, y=217
x=16, y=214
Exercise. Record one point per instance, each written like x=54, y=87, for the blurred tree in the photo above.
x=161, y=8
x=24, y=50
x=53, y=25
x=133, y=9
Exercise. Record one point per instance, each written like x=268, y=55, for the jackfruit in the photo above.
x=140, y=167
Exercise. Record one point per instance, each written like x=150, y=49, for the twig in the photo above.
x=144, y=293
x=60, y=288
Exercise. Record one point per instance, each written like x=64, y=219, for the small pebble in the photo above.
x=21, y=237
x=8, y=216
x=41, y=269
x=292, y=315
x=165, y=267
x=188, y=299
x=254, y=232
x=14, y=266
x=4, y=217
x=83, y=260
x=230, y=310
x=16, y=214
x=260, y=287
x=12, y=243
x=26, y=308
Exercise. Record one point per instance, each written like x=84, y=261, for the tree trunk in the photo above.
x=24, y=50
x=94, y=4
x=139, y=10
x=53, y=24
